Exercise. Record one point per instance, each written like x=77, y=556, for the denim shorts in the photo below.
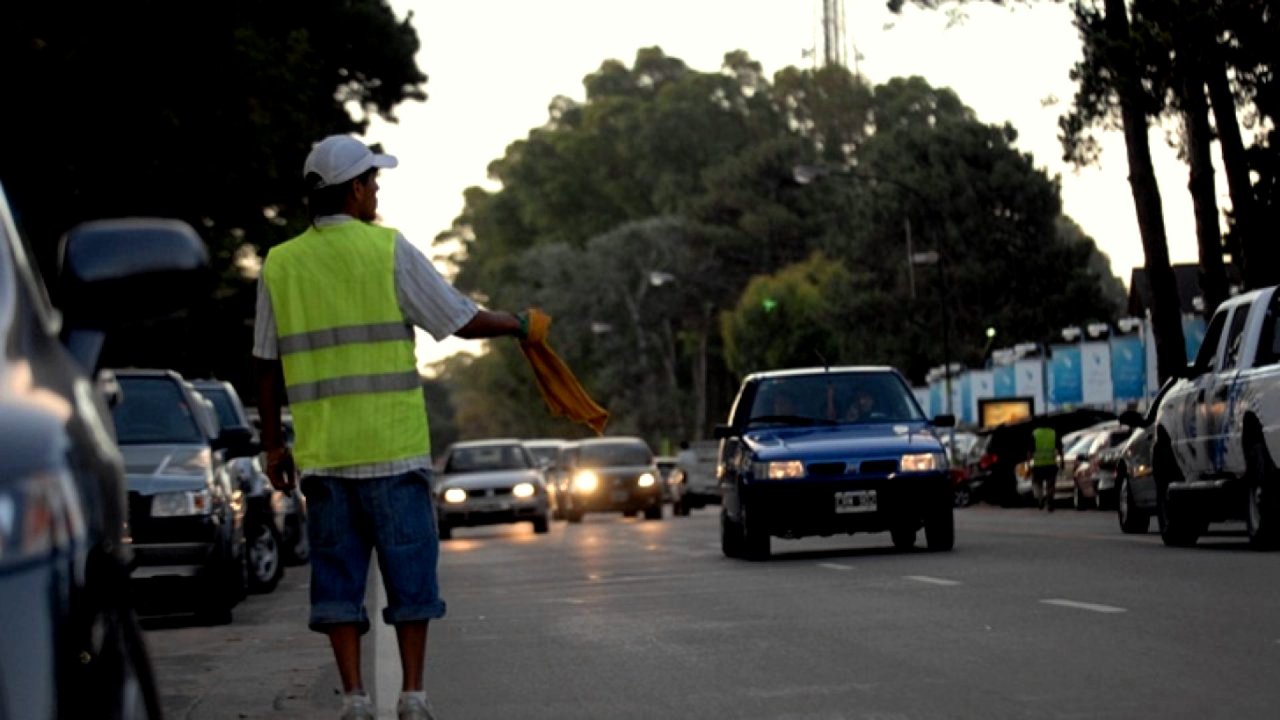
x=346, y=520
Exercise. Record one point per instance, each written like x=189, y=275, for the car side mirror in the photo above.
x=720, y=432
x=945, y=421
x=116, y=271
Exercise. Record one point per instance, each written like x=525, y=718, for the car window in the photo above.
x=609, y=454
x=222, y=405
x=864, y=397
x=1268, y=352
x=1080, y=446
x=543, y=453
x=1235, y=337
x=154, y=411
x=1209, y=345
x=483, y=458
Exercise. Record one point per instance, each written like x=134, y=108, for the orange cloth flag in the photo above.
x=560, y=389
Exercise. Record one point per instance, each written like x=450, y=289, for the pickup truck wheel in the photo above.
x=730, y=536
x=1133, y=521
x=654, y=512
x=1177, y=529
x=1261, y=481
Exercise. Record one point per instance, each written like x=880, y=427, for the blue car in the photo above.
x=825, y=451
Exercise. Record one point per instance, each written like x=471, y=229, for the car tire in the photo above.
x=444, y=530
x=755, y=541
x=573, y=516
x=1177, y=528
x=731, y=543
x=1078, y=500
x=1260, y=474
x=654, y=512
x=962, y=497
x=541, y=525
x=297, y=546
x=940, y=530
x=904, y=538
x=263, y=549
x=1133, y=520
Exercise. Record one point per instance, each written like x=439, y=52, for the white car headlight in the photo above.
x=455, y=495
x=523, y=490
x=646, y=480
x=778, y=470
x=177, y=504
x=923, y=462
x=586, y=482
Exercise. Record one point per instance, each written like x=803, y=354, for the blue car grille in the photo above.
x=842, y=469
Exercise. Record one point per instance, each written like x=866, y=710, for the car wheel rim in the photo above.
x=264, y=554
x=1122, y=503
x=1255, y=507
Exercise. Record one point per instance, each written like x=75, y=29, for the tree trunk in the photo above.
x=1195, y=114
x=1165, y=307
x=1256, y=266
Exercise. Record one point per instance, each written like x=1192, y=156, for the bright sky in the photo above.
x=494, y=67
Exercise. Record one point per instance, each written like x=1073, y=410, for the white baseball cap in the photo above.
x=339, y=158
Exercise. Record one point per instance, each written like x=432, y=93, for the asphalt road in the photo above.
x=1031, y=616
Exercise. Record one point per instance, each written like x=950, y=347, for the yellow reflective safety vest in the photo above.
x=1046, y=447
x=348, y=352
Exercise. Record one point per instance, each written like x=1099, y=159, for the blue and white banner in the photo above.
x=1065, y=382
x=1128, y=369
x=1029, y=382
x=935, y=398
x=981, y=387
x=1005, y=382
x=1095, y=374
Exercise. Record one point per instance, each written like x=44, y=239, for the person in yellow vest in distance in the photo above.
x=334, y=333
x=1045, y=457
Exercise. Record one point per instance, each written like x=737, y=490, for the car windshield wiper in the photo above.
x=790, y=420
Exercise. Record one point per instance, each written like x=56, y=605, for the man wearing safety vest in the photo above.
x=1045, y=457
x=336, y=310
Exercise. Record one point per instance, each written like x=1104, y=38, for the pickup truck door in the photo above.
x=1192, y=447
x=1218, y=392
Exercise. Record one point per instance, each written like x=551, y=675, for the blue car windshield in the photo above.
x=154, y=411
x=833, y=398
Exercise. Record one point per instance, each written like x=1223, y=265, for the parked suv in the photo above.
x=186, y=517
x=71, y=643
x=821, y=451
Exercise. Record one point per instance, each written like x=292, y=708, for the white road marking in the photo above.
x=932, y=580
x=1092, y=607
x=835, y=566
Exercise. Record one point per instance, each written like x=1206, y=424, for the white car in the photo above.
x=488, y=482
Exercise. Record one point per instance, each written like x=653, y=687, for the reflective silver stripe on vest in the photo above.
x=354, y=384
x=349, y=335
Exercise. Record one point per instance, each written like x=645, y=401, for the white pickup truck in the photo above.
x=1218, y=428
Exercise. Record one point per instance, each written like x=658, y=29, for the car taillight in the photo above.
x=987, y=460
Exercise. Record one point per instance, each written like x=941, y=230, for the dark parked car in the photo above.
x=613, y=474
x=488, y=482
x=71, y=643
x=286, y=512
x=186, y=516
x=797, y=464
x=1136, y=492
x=999, y=451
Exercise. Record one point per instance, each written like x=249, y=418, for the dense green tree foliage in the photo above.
x=200, y=110
x=654, y=219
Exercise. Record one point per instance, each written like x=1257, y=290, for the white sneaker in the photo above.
x=358, y=707
x=414, y=706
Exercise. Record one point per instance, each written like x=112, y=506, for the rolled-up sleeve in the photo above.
x=265, y=340
x=426, y=298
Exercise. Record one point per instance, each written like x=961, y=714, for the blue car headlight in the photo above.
x=923, y=462
x=777, y=470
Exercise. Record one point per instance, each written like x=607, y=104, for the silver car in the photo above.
x=489, y=482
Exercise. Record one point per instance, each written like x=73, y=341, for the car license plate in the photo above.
x=620, y=496
x=856, y=501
